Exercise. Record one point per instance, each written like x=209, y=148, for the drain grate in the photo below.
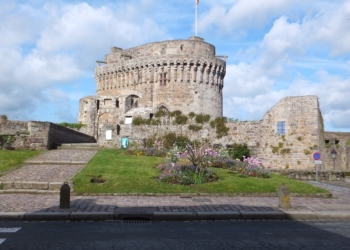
x=136, y=220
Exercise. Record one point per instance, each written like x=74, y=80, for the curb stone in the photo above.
x=264, y=215
x=46, y=216
x=176, y=216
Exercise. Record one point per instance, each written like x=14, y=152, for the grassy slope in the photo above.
x=137, y=174
x=13, y=158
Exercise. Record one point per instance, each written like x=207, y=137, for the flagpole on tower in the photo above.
x=196, y=5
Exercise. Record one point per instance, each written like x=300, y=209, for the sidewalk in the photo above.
x=44, y=207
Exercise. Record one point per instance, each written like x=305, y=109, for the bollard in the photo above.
x=283, y=196
x=65, y=196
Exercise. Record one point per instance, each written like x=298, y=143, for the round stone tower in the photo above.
x=181, y=75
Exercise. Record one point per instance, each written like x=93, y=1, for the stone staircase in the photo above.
x=46, y=173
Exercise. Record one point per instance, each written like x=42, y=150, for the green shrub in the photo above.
x=191, y=115
x=72, y=125
x=194, y=127
x=169, y=140
x=220, y=124
x=280, y=144
x=285, y=151
x=160, y=113
x=202, y=118
x=239, y=150
x=137, y=121
x=3, y=117
x=307, y=152
x=300, y=138
x=275, y=150
x=175, y=113
x=180, y=119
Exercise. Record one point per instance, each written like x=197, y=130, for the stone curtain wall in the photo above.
x=39, y=135
x=293, y=150
x=8, y=127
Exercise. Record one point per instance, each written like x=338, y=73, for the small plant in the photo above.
x=307, y=152
x=283, y=137
x=175, y=113
x=220, y=124
x=300, y=138
x=191, y=115
x=3, y=117
x=194, y=127
x=160, y=113
x=72, y=125
x=348, y=143
x=299, y=162
x=285, y=151
x=180, y=119
x=280, y=144
x=287, y=166
x=275, y=150
x=202, y=118
x=239, y=151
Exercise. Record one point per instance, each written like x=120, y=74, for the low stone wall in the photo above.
x=12, y=127
x=38, y=135
x=311, y=175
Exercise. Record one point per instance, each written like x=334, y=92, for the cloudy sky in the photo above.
x=275, y=48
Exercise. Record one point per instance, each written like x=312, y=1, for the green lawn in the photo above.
x=12, y=158
x=137, y=174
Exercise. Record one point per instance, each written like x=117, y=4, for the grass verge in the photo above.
x=137, y=174
x=12, y=158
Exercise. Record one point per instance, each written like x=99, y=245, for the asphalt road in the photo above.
x=176, y=235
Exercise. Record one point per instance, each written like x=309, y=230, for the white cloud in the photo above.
x=53, y=46
x=242, y=14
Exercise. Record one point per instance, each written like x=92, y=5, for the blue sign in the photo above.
x=317, y=156
x=125, y=142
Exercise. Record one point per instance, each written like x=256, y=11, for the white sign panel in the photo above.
x=108, y=135
x=317, y=162
x=128, y=120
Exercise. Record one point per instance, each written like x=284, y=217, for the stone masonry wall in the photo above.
x=293, y=150
x=40, y=135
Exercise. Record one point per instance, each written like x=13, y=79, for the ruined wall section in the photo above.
x=184, y=74
x=294, y=148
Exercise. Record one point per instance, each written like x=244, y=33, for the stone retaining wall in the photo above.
x=38, y=135
x=311, y=175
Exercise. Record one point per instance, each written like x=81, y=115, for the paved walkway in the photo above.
x=43, y=203
x=50, y=203
x=52, y=166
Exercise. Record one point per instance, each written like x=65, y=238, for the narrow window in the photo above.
x=150, y=116
x=281, y=128
x=162, y=79
x=98, y=104
x=117, y=103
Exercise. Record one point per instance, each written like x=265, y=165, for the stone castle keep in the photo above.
x=186, y=75
x=183, y=75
